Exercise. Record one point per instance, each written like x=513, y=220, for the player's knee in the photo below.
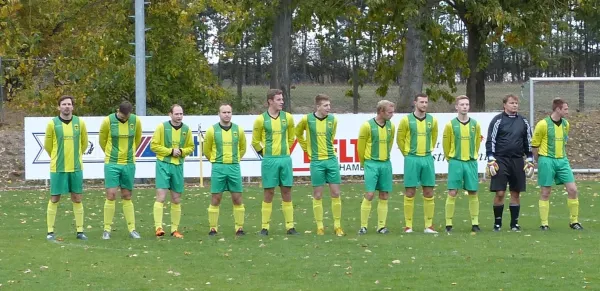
x=215, y=200
x=452, y=193
x=76, y=198
x=236, y=199
x=369, y=196
x=384, y=195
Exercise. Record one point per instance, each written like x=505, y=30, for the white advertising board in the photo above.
x=37, y=161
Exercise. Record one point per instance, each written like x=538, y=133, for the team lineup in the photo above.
x=513, y=151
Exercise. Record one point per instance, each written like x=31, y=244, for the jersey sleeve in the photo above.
x=83, y=136
x=257, y=134
x=401, y=136
x=434, y=133
x=138, y=132
x=291, y=137
x=477, y=139
x=103, y=133
x=49, y=138
x=567, y=129
x=527, y=136
x=541, y=129
x=241, y=143
x=301, y=127
x=363, y=136
x=157, y=145
x=208, y=143
x=490, y=143
x=447, y=140
x=188, y=146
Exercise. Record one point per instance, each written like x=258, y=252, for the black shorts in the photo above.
x=510, y=170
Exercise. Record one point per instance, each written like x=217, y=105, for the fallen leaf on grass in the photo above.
x=396, y=262
x=27, y=271
x=377, y=282
x=187, y=253
x=43, y=267
x=453, y=283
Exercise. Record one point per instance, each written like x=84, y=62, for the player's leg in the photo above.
x=564, y=175
x=270, y=180
x=545, y=179
x=236, y=188
x=411, y=182
x=76, y=189
x=218, y=185
x=127, y=181
x=498, y=185
x=427, y=178
x=162, y=183
x=58, y=186
x=177, y=187
x=455, y=182
x=317, y=179
x=112, y=177
x=286, y=180
x=371, y=175
x=384, y=185
x=517, y=183
x=334, y=179
x=471, y=178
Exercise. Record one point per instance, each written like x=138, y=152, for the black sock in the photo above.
x=514, y=214
x=498, y=209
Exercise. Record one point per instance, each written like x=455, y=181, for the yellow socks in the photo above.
x=544, y=211
x=428, y=209
x=450, y=203
x=175, y=216
x=573, y=205
x=474, y=209
x=365, y=210
x=109, y=214
x=336, y=209
x=288, y=214
x=382, y=210
x=238, y=216
x=318, y=212
x=266, y=210
x=78, y=212
x=158, y=214
x=129, y=213
x=213, y=217
x=51, y=215
x=409, y=207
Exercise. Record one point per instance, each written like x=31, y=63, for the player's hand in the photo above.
x=176, y=152
x=529, y=167
x=492, y=167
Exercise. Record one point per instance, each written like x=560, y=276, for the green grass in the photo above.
x=561, y=259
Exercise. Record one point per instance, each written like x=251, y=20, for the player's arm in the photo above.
x=300, y=128
x=257, y=134
x=490, y=143
x=434, y=133
x=291, y=137
x=188, y=146
x=541, y=130
x=49, y=138
x=157, y=144
x=208, y=143
x=392, y=138
x=447, y=140
x=83, y=136
x=138, y=132
x=477, y=138
x=567, y=129
x=242, y=142
x=103, y=133
x=363, y=136
x=401, y=136
x=527, y=137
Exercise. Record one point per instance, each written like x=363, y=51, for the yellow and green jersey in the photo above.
x=320, y=133
x=273, y=135
x=417, y=137
x=551, y=138
x=461, y=141
x=119, y=140
x=168, y=137
x=375, y=141
x=224, y=145
x=65, y=142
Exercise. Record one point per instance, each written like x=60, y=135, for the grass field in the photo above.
x=560, y=259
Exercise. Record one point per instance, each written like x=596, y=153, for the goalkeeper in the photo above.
x=508, y=141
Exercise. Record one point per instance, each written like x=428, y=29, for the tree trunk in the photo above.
x=304, y=54
x=476, y=79
x=282, y=48
x=355, y=81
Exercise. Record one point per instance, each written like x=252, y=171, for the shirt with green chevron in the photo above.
x=224, y=145
x=120, y=139
x=315, y=135
x=167, y=137
x=273, y=135
x=65, y=142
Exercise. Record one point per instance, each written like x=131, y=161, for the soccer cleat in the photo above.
x=497, y=227
x=160, y=232
x=106, y=235
x=339, y=232
x=264, y=231
x=240, y=232
x=408, y=230
x=544, y=227
x=448, y=228
x=212, y=232
x=430, y=230
x=177, y=234
x=475, y=228
x=81, y=236
x=292, y=231
x=515, y=228
x=134, y=234
x=51, y=236
x=383, y=230
x=362, y=230
x=576, y=226
x=320, y=231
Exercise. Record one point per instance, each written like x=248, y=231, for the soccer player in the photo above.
x=224, y=147
x=120, y=135
x=461, y=142
x=417, y=136
x=549, y=149
x=509, y=139
x=172, y=142
x=272, y=137
x=65, y=142
x=320, y=128
x=375, y=140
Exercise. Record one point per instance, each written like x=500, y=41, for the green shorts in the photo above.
x=225, y=177
x=378, y=176
x=551, y=170
x=463, y=175
x=64, y=183
x=116, y=175
x=169, y=176
x=419, y=171
x=277, y=171
x=325, y=172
